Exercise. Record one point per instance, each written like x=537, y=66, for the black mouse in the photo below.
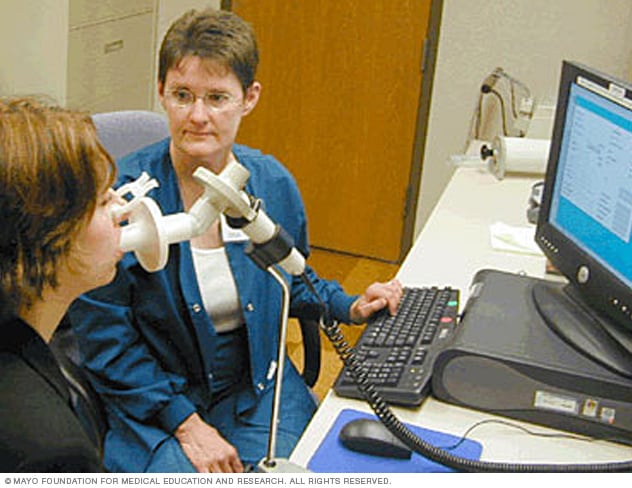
x=370, y=436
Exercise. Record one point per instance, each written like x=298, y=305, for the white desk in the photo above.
x=454, y=244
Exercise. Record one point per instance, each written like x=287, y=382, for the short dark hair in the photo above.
x=216, y=35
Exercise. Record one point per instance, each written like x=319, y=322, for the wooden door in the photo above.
x=341, y=88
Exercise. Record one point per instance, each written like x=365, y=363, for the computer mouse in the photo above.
x=370, y=436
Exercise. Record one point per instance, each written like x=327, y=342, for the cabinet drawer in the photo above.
x=83, y=12
x=110, y=65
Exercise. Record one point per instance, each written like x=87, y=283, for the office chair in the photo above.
x=311, y=350
x=121, y=133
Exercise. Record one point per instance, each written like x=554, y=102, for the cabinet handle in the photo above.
x=113, y=46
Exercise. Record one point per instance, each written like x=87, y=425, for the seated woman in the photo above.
x=58, y=241
x=186, y=358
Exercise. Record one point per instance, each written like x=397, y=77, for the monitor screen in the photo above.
x=585, y=223
x=592, y=192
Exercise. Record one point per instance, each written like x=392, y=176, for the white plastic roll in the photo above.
x=519, y=155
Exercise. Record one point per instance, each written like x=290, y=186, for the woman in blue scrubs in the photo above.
x=185, y=358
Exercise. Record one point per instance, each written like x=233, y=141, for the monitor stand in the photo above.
x=596, y=336
x=506, y=359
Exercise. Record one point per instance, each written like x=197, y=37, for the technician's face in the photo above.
x=205, y=103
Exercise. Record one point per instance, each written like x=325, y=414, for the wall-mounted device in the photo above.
x=515, y=103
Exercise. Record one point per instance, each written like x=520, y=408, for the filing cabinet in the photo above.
x=110, y=54
x=93, y=55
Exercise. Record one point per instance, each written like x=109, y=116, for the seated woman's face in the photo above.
x=96, y=248
x=203, y=128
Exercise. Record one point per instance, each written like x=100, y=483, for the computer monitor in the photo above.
x=585, y=221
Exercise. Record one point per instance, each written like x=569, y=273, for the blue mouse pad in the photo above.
x=332, y=457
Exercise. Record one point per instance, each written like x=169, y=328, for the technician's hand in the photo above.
x=376, y=297
x=207, y=450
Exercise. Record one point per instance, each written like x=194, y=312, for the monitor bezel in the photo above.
x=598, y=286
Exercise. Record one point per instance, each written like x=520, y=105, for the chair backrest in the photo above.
x=125, y=131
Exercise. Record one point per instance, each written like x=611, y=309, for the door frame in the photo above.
x=429, y=60
x=427, y=67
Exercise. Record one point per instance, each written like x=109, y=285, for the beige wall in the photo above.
x=529, y=39
x=23, y=68
x=36, y=61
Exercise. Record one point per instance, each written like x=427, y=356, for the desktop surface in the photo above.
x=453, y=246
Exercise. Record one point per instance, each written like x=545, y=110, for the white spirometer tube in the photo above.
x=149, y=233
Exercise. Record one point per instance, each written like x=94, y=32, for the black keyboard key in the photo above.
x=397, y=352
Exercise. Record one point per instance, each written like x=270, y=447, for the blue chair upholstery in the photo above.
x=126, y=131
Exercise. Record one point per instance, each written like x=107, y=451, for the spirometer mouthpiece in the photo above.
x=148, y=233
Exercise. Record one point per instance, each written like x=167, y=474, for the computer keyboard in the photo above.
x=397, y=351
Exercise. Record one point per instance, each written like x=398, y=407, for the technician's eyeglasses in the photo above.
x=213, y=101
